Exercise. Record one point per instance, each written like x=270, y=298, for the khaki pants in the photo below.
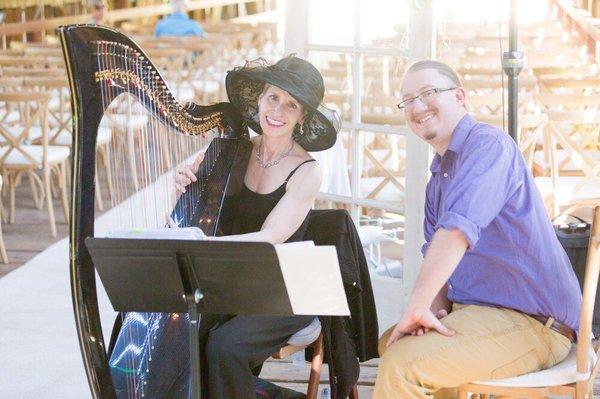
x=489, y=343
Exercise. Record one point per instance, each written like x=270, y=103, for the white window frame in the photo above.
x=421, y=46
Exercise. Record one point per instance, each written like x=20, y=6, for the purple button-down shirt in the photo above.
x=482, y=187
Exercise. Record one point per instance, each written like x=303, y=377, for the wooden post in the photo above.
x=418, y=154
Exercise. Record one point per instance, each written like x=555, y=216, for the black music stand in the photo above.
x=194, y=277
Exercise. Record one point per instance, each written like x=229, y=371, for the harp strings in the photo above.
x=146, y=146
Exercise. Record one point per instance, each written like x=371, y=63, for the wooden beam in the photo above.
x=19, y=28
x=584, y=22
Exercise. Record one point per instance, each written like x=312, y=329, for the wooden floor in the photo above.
x=30, y=232
x=285, y=373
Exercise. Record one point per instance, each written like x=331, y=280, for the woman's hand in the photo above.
x=185, y=175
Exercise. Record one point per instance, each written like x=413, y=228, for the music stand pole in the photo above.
x=193, y=301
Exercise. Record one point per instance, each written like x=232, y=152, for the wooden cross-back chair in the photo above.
x=572, y=144
x=553, y=72
x=18, y=156
x=59, y=108
x=8, y=71
x=567, y=101
x=573, y=377
x=10, y=113
x=569, y=85
x=60, y=124
x=493, y=103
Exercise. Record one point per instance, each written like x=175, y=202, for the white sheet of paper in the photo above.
x=313, y=279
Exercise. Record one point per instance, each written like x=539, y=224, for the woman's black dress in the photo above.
x=151, y=359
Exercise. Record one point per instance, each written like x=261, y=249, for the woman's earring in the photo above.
x=302, y=129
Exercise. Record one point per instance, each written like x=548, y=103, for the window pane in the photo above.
x=336, y=69
x=380, y=91
x=335, y=163
x=331, y=22
x=383, y=23
x=382, y=169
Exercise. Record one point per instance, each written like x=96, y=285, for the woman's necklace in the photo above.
x=259, y=155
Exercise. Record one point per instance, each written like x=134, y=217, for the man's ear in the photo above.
x=461, y=95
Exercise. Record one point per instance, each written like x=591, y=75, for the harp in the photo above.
x=120, y=101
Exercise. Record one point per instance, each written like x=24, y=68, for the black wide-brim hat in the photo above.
x=302, y=81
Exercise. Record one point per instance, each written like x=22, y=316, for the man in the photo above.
x=496, y=296
x=178, y=23
x=97, y=12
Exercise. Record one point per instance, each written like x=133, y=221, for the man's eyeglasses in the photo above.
x=426, y=97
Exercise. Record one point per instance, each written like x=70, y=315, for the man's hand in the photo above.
x=422, y=330
x=413, y=320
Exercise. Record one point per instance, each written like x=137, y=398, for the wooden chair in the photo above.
x=572, y=155
x=315, y=366
x=567, y=101
x=18, y=156
x=574, y=376
x=296, y=345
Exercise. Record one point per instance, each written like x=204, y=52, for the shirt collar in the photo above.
x=179, y=15
x=459, y=135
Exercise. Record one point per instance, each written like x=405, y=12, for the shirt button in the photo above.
x=445, y=174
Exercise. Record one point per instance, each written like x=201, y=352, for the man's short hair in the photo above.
x=442, y=68
x=97, y=4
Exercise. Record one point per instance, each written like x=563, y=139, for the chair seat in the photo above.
x=65, y=138
x=389, y=192
x=562, y=373
x=565, y=192
x=307, y=335
x=16, y=158
x=125, y=122
x=34, y=133
x=562, y=155
x=11, y=117
x=183, y=94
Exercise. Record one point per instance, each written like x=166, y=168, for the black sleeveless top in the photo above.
x=248, y=210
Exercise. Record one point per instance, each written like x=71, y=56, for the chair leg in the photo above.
x=97, y=191
x=48, y=194
x=12, y=181
x=315, y=369
x=38, y=200
x=2, y=247
x=109, y=180
x=463, y=394
x=354, y=393
x=62, y=168
x=131, y=150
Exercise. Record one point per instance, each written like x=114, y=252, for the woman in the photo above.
x=281, y=103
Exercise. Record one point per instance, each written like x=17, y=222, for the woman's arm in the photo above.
x=290, y=211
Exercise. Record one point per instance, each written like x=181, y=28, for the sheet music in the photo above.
x=185, y=233
x=313, y=279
